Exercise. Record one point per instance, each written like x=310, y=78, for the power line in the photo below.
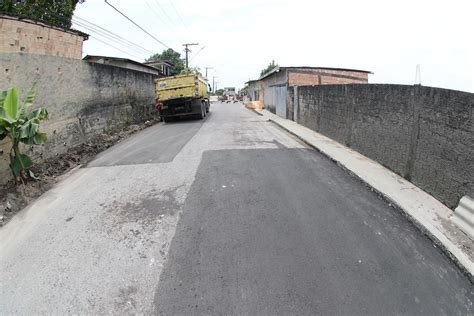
x=115, y=47
x=197, y=53
x=105, y=37
x=154, y=12
x=177, y=13
x=113, y=38
x=164, y=12
x=79, y=19
x=141, y=28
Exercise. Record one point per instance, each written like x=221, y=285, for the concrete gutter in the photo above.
x=428, y=214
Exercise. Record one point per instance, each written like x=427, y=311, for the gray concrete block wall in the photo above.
x=82, y=98
x=424, y=134
x=381, y=126
x=444, y=156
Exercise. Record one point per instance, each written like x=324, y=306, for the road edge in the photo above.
x=454, y=253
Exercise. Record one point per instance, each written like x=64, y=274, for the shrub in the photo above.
x=57, y=13
x=21, y=126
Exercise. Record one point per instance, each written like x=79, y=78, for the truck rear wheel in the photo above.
x=203, y=112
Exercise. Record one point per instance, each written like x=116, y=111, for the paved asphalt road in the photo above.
x=229, y=215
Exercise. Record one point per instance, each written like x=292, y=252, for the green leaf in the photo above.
x=30, y=97
x=15, y=166
x=37, y=139
x=29, y=129
x=5, y=119
x=10, y=104
x=3, y=95
x=40, y=114
x=20, y=163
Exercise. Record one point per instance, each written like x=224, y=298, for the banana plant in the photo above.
x=21, y=125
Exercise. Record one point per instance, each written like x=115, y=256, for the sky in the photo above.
x=240, y=38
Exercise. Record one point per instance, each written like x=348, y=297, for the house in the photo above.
x=254, y=98
x=123, y=63
x=229, y=92
x=27, y=36
x=164, y=67
x=272, y=87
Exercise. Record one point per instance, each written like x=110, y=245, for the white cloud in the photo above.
x=241, y=37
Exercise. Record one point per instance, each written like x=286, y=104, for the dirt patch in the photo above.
x=14, y=198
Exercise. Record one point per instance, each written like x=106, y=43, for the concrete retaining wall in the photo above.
x=424, y=134
x=82, y=98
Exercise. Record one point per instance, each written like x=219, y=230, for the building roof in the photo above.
x=159, y=62
x=251, y=81
x=97, y=57
x=277, y=69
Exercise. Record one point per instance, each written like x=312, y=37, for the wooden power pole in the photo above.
x=186, y=50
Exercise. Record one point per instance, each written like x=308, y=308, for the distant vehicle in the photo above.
x=182, y=95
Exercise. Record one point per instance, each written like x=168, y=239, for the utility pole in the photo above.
x=214, y=84
x=207, y=69
x=418, y=75
x=188, y=50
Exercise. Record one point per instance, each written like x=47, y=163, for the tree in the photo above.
x=220, y=92
x=191, y=70
x=172, y=57
x=269, y=68
x=21, y=126
x=57, y=13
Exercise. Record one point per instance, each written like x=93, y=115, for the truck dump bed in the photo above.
x=189, y=86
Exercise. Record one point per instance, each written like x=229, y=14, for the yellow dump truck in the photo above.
x=182, y=95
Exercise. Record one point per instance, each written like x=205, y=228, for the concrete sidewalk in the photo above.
x=428, y=214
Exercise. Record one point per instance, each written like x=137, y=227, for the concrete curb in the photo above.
x=423, y=222
x=464, y=215
x=254, y=110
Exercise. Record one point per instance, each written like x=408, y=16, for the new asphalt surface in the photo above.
x=227, y=215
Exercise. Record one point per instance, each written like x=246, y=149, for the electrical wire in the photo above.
x=154, y=12
x=108, y=44
x=164, y=12
x=133, y=47
x=197, y=53
x=177, y=13
x=141, y=28
x=93, y=25
x=109, y=38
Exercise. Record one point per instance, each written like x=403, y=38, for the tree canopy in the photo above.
x=172, y=57
x=57, y=13
x=269, y=68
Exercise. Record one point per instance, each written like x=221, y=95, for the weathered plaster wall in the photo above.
x=424, y=134
x=269, y=85
x=82, y=98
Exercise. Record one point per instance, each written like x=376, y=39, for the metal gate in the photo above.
x=280, y=101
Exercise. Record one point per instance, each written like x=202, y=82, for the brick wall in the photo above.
x=313, y=77
x=37, y=38
x=82, y=98
x=424, y=134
